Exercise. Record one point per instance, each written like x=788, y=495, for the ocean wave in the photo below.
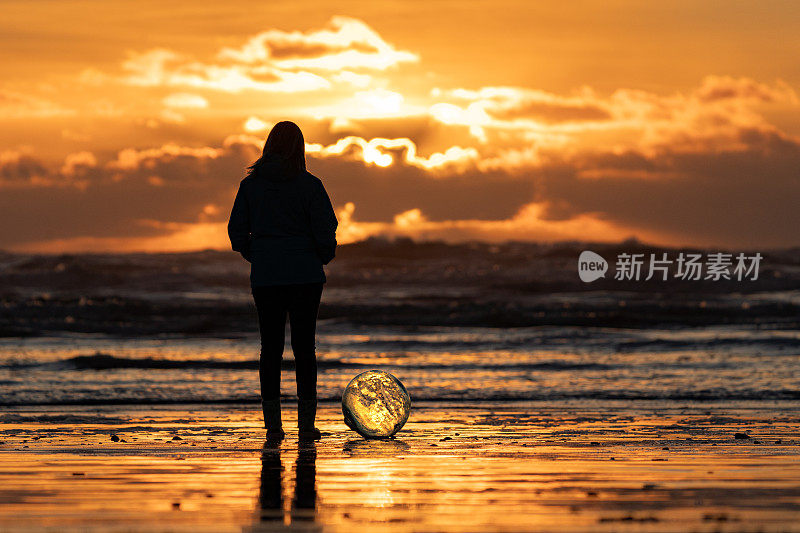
x=612, y=340
x=103, y=361
x=699, y=396
x=17, y=418
x=772, y=342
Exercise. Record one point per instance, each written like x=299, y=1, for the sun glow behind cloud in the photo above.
x=377, y=151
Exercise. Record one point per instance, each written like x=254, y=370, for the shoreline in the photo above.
x=453, y=467
x=662, y=404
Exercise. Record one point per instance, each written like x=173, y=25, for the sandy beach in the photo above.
x=622, y=466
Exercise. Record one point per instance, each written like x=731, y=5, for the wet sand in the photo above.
x=624, y=466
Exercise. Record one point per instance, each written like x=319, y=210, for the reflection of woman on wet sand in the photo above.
x=270, y=498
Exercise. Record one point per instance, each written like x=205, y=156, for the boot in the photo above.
x=272, y=417
x=306, y=412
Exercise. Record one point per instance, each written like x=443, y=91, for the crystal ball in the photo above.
x=375, y=404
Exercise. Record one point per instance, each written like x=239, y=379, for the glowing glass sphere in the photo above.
x=375, y=404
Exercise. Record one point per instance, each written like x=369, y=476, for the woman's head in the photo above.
x=284, y=140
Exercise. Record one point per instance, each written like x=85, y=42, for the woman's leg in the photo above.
x=272, y=309
x=303, y=307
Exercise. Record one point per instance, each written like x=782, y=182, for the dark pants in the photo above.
x=301, y=302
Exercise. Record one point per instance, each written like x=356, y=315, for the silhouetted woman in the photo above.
x=283, y=223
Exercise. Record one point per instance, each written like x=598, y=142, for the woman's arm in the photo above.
x=239, y=224
x=323, y=224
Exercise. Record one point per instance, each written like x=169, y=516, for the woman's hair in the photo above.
x=286, y=140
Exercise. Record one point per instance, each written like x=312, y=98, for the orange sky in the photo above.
x=126, y=125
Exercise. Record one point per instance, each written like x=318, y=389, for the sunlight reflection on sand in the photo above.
x=453, y=468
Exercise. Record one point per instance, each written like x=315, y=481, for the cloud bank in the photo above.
x=708, y=166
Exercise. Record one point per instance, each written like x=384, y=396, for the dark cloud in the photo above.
x=743, y=196
x=19, y=168
x=552, y=112
x=719, y=88
x=115, y=200
x=381, y=193
x=735, y=197
x=279, y=49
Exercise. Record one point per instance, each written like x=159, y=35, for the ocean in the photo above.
x=472, y=322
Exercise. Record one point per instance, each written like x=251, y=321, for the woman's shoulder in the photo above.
x=308, y=176
x=305, y=181
x=309, y=180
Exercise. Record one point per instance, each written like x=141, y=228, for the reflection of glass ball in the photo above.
x=375, y=404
